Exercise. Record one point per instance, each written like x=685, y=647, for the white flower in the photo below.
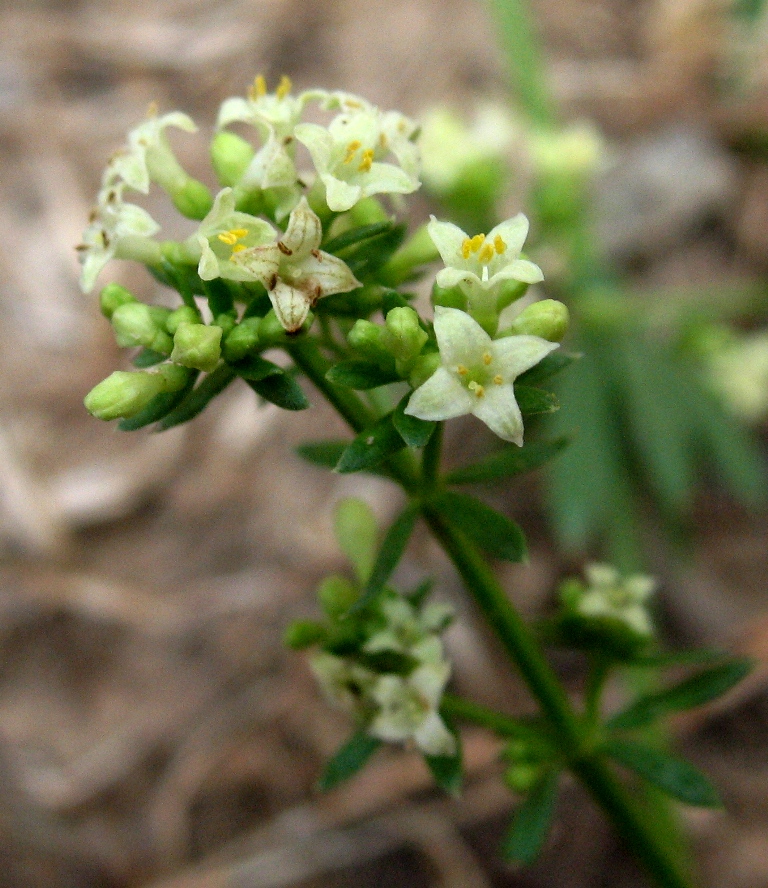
x=738, y=373
x=348, y=154
x=405, y=628
x=480, y=264
x=116, y=229
x=344, y=684
x=294, y=270
x=621, y=599
x=222, y=235
x=148, y=152
x=477, y=375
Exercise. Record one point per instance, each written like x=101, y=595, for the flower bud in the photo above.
x=423, y=367
x=303, y=634
x=368, y=211
x=197, y=346
x=336, y=595
x=123, y=394
x=547, y=319
x=192, y=200
x=137, y=324
x=112, y=297
x=510, y=291
x=241, y=339
x=403, y=334
x=226, y=320
x=449, y=297
x=184, y=314
x=172, y=376
x=521, y=776
x=230, y=156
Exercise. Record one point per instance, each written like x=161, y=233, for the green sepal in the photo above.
x=199, y=398
x=414, y=431
x=352, y=756
x=532, y=821
x=489, y=529
x=508, y=462
x=695, y=691
x=552, y=364
x=360, y=375
x=147, y=357
x=160, y=406
x=674, y=776
x=280, y=389
x=371, y=447
x=448, y=770
x=532, y=400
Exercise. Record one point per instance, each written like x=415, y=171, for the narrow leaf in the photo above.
x=508, y=462
x=533, y=400
x=694, y=691
x=355, y=236
x=356, y=532
x=491, y=530
x=553, y=363
x=348, y=760
x=147, y=358
x=254, y=368
x=371, y=447
x=160, y=406
x=322, y=453
x=672, y=775
x=414, y=431
x=282, y=390
x=198, y=399
x=360, y=375
x=219, y=296
x=448, y=770
x=390, y=553
x=532, y=821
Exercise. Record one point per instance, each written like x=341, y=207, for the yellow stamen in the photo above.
x=238, y=248
x=367, y=161
x=477, y=241
x=152, y=109
x=233, y=235
x=284, y=87
x=499, y=244
x=352, y=149
x=498, y=380
x=476, y=388
x=462, y=370
x=466, y=248
x=486, y=253
x=258, y=89
x=383, y=140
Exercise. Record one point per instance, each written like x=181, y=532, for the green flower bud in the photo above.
x=521, y=777
x=370, y=340
x=230, y=156
x=183, y=315
x=423, y=367
x=173, y=377
x=197, y=346
x=303, y=634
x=547, y=319
x=137, y=324
x=367, y=211
x=123, y=394
x=403, y=335
x=226, y=321
x=336, y=595
x=192, y=200
x=112, y=297
x=450, y=297
x=510, y=291
x=241, y=339
x=272, y=332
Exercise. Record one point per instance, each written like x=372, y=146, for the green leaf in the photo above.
x=415, y=432
x=371, y=447
x=348, y=760
x=282, y=390
x=147, y=358
x=532, y=821
x=360, y=375
x=377, y=252
x=532, y=400
x=325, y=454
x=420, y=593
x=695, y=691
x=448, y=770
x=355, y=235
x=553, y=363
x=668, y=659
x=676, y=777
x=160, y=406
x=356, y=532
x=508, y=462
x=199, y=398
x=255, y=368
x=219, y=296
x=491, y=530
x=390, y=553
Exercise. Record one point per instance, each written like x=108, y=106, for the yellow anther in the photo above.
x=239, y=232
x=367, y=161
x=284, y=87
x=352, y=149
x=487, y=358
x=476, y=242
x=383, y=140
x=466, y=248
x=238, y=248
x=486, y=253
x=258, y=89
x=498, y=380
x=477, y=389
x=152, y=109
x=462, y=370
x=232, y=236
x=499, y=244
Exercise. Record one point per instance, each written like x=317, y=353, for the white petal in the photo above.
x=519, y=270
x=516, y=354
x=223, y=206
x=386, y=178
x=442, y=396
x=304, y=232
x=208, y=267
x=448, y=239
x=340, y=196
x=433, y=738
x=134, y=220
x=318, y=141
x=499, y=411
x=460, y=338
x=260, y=263
x=93, y=262
x=291, y=306
x=328, y=273
x=513, y=232
x=234, y=109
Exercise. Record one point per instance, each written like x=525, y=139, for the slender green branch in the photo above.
x=503, y=725
x=430, y=460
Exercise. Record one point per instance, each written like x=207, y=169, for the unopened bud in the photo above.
x=226, y=321
x=520, y=777
x=336, y=595
x=173, y=376
x=423, y=367
x=510, y=291
x=123, y=394
x=242, y=339
x=369, y=340
x=449, y=297
x=192, y=200
x=197, y=346
x=230, y=155
x=137, y=324
x=303, y=634
x=547, y=319
x=404, y=335
x=112, y=297
x=183, y=315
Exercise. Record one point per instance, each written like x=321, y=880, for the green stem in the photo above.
x=503, y=725
x=430, y=460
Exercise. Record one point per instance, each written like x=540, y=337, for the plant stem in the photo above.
x=503, y=725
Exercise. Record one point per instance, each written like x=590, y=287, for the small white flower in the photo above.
x=348, y=155
x=480, y=264
x=222, y=235
x=405, y=628
x=477, y=375
x=344, y=684
x=116, y=229
x=147, y=148
x=294, y=270
x=621, y=599
x=738, y=373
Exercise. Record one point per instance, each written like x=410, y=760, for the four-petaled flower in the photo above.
x=294, y=270
x=477, y=374
x=115, y=227
x=348, y=154
x=623, y=599
x=480, y=264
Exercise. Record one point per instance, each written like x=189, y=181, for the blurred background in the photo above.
x=153, y=730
